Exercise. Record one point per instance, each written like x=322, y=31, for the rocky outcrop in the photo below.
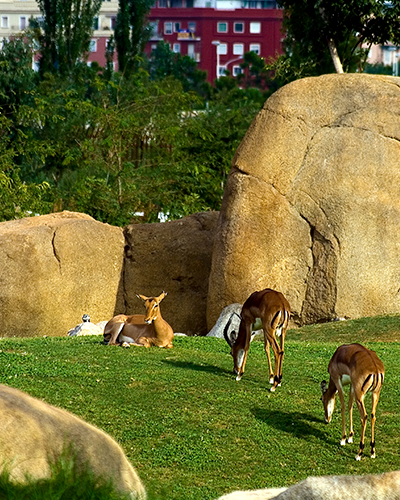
x=379, y=487
x=53, y=269
x=174, y=257
x=36, y=435
x=311, y=207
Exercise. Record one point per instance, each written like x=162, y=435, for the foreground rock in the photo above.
x=311, y=206
x=372, y=487
x=53, y=269
x=174, y=257
x=35, y=432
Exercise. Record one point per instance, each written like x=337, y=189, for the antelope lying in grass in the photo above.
x=141, y=329
x=35, y=435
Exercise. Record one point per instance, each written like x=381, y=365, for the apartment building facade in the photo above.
x=215, y=33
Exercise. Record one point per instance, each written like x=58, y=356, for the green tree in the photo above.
x=334, y=35
x=164, y=63
x=131, y=32
x=64, y=33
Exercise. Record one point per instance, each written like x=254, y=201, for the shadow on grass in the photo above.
x=199, y=367
x=296, y=423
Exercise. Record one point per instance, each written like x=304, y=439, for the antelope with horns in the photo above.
x=274, y=311
x=141, y=329
x=356, y=365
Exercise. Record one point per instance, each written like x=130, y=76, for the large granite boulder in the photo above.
x=53, y=269
x=311, y=207
x=174, y=257
x=36, y=436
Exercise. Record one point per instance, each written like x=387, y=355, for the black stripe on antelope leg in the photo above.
x=360, y=451
x=372, y=449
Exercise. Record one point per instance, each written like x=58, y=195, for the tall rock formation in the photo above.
x=312, y=203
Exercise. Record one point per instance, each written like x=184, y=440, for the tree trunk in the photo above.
x=335, y=56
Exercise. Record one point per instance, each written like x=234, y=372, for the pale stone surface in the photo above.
x=311, y=207
x=53, y=269
x=34, y=433
x=378, y=487
x=174, y=257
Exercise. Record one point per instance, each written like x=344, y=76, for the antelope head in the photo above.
x=152, y=306
x=328, y=402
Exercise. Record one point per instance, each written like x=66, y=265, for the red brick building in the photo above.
x=217, y=33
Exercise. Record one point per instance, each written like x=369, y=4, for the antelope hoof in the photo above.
x=272, y=388
x=343, y=442
x=350, y=440
x=271, y=379
x=373, y=455
x=358, y=457
x=238, y=378
x=125, y=344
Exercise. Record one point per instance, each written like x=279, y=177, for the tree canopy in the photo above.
x=64, y=33
x=323, y=36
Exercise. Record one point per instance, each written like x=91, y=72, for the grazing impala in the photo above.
x=356, y=365
x=274, y=311
x=141, y=329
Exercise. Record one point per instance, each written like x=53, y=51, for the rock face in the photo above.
x=311, y=207
x=54, y=268
x=174, y=257
x=35, y=432
x=381, y=486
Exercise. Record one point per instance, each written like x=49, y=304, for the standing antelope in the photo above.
x=139, y=329
x=356, y=365
x=274, y=311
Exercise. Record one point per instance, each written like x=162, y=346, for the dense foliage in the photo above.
x=120, y=147
x=325, y=36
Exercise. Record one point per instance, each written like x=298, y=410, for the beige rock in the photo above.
x=311, y=207
x=370, y=487
x=34, y=432
x=174, y=257
x=54, y=268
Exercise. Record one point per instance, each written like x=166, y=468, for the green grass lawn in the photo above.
x=193, y=432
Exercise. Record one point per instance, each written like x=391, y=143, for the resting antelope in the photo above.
x=356, y=365
x=274, y=311
x=141, y=329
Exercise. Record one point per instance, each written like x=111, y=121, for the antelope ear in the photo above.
x=161, y=296
x=143, y=297
x=324, y=387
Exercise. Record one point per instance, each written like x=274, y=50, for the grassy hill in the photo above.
x=193, y=432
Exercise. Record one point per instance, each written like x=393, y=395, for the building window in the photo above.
x=222, y=49
x=113, y=22
x=190, y=51
x=96, y=23
x=176, y=48
x=222, y=27
x=162, y=3
x=221, y=71
x=93, y=46
x=255, y=47
x=154, y=29
x=192, y=27
x=177, y=27
x=255, y=27
x=168, y=28
x=4, y=21
x=176, y=3
x=22, y=22
x=238, y=49
x=236, y=70
x=238, y=27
